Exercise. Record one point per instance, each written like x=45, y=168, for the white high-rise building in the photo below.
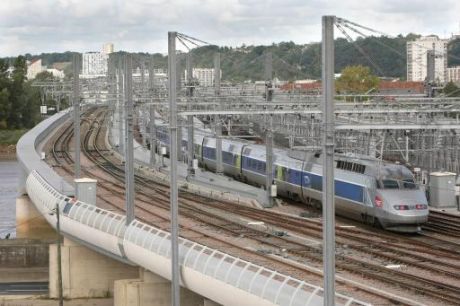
x=417, y=58
x=453, y=74
x=95, y=63
x=107, y=48
x=205, y=76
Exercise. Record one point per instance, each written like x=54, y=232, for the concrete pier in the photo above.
x=85, y=273
x=151, y=289
x=30, y=223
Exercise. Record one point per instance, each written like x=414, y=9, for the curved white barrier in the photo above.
x=29, y=159
x=220, y=277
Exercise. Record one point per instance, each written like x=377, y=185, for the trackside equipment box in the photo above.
x=442, y=189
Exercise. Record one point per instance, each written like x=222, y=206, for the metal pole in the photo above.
x=142, y=60
x=76, y=113
x=129, y=154
x=142, y=92
x=218, y=124
x=179, y=118
x=328, y=160
x=112, y=87
x=190, y=127
x=406, y=157
x=175, y=276
x=120, y=97
x=269, y=132
x=153, y=140
x=430, y=73
x=59, y=260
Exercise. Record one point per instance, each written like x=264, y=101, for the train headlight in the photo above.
x=401, y=207
x=378, y=202
x=421, y=206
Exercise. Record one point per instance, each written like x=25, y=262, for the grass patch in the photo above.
x=11, y=136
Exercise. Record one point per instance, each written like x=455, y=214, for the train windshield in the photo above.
x=409, y=184
x=390, y=184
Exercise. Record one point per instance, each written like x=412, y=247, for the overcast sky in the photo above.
x=36, y=26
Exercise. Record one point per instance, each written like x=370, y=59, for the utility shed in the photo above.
x=442, y=189
x=86, y=190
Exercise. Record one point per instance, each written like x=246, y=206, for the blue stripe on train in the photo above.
x=301, y=178
x=342, y=189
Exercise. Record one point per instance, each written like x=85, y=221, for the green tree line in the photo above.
x=19, y=101
x=294, y=61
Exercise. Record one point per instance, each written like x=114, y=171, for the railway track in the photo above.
x=144, y=204
x=444, y=223
x=353, y=239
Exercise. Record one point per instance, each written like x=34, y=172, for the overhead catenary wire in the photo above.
x=192, y=39
x=377, y=41
x=371, y=61
x=348, y=24
x=183, y=43
x=344, y=21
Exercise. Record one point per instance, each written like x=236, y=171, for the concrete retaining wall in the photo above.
x=23, y=253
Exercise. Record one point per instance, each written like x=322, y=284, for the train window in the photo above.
x=355, y=167
x=227, y=157
x=390, y=184
x=260, y=166
x=350, y=166
x=409, y=184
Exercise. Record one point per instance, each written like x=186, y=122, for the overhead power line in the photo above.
x=360, y=50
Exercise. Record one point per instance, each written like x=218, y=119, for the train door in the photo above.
x=368, y=215
x=241, y=157
x=201, y=150
x=303, y=183
x=349, y=199
x=278, y=173
x=238, y=161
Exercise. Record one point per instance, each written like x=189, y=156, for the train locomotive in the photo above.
x=366, y=189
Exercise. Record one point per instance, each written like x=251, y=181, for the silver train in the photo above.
x=366, y=189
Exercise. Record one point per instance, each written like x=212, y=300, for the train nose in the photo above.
x=403, y=207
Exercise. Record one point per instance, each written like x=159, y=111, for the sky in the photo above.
x=36, y=26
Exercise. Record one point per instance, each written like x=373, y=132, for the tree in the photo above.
x=19, y=101
x=3, y=74
x=44, y=76
x=5, y=107
x=451, y=90
x=30, y=115
x=356, y=80
x=454, y=52
x=17, y=97
x=4, y=93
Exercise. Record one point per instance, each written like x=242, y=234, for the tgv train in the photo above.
x=366, y=189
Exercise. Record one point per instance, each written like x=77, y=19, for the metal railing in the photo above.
x=267, y=284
